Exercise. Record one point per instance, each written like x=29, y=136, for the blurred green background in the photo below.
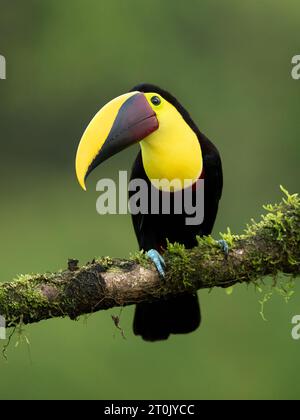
x=229, y=63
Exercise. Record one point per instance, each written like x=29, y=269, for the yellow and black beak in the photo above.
x=122, y=122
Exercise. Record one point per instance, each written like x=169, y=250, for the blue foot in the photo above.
x=224, y=246
x=158, y=260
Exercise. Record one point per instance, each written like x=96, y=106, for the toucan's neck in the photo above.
x=172, y=152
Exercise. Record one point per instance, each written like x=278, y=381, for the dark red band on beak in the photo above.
x=135, y=121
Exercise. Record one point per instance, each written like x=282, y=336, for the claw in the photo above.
x=158, y=260
x=224, y=246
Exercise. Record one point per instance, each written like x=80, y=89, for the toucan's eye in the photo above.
x=155, y=100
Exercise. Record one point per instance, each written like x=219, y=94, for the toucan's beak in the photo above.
x=122, y=122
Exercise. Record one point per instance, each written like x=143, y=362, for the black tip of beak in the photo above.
x=135, y=121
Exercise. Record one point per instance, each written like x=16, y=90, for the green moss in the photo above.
x=283, y=286
x=105, y=262
x=228, y=237
x=140, y=258
x=265, y=299
x=207, y=247
x=179, y=264
x=229, y=290
x=24, y=296
x=280, y=227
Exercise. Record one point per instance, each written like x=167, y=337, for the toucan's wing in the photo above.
x=213, y=182
x=145, y=233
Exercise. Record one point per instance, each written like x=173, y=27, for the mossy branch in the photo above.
x=268, y=247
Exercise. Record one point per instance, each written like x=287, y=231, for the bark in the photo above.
x=268, y=247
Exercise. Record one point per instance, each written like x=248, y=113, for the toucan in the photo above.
x=171, y=147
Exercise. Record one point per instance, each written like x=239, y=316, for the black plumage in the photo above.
x=179, y=314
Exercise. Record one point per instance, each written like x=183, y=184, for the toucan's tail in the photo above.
x=175, y=315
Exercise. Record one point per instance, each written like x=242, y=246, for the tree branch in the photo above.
x=268, y=247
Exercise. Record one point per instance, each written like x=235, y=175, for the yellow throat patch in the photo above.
x=173, y=151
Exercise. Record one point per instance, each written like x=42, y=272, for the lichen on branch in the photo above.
x=266, y=248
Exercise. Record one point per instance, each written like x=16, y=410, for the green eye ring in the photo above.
x=156, y=100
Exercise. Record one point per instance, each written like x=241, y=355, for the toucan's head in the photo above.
x=146, y=114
